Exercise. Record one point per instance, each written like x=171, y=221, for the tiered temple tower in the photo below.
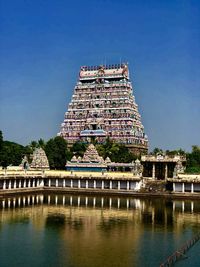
x=40, y=160
x=103, y=106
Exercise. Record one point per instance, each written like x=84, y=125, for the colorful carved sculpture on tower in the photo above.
x=90, y=161
x=103, y=105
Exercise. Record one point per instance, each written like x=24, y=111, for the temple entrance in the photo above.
x=160, y=171
x=171, y=167
x=161, y=167
x=147, y=169
x=94, y=126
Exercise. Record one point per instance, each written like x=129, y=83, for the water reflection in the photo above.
x=98, y=231
x=158, y=209
x=55, y=220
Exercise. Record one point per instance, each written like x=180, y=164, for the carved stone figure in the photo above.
x=24, y=164
x=179, y=168
x=137, y=168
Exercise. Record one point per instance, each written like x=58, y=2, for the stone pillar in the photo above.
x=118, y=185
x=102, y=184
x=71, y=183
x=166, y=171
x=56, y=182
x=15, y=184
x=154, y=171
x=102, y=202
x=192, y=206
x=49, y=199
x=136, y=185
x=79, y=183
x=127, y=185
x=24, y=201
x=42, y=182
x=86, y=184
x=4, y=184
x=174, y=187
x=79, y=200
x=110, y=202
x=95, y=184
x=192, y=188
x=118, y=203
x=49, y=182
x=183, y=206
x=33, y=200
x=29, y=183
x=20, y=183
x=14, y=202
x=86, y=201
x=38, y=182
x=9, y=184
x=64, y=183
x=41, y=199
x=174, y=206
x=110, y=184
x=183, y=188
x=94, y=201
x=19, y=201
x=33, y=182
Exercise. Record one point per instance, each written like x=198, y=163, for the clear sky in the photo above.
x=44, y=42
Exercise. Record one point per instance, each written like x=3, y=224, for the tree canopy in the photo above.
x=78, y=148
x=1, y=140
x=57, y=152
x=116, y=152
x=193, y=160
x=11, y=153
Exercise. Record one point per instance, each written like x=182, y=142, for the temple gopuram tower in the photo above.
x=103, y=105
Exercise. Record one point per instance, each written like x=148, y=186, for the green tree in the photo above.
x=1, y=147
x=1, y=140
x=78, y=148
x=11, y=154
x=116, y=152
x=33, y=145
x=57, y=152
x=157, y=151
x=176, y=152
x=193, y=160
x=41, y=143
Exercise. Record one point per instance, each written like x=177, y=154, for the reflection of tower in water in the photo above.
x=95, y=229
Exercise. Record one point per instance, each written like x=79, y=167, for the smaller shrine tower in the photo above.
x=40, y=161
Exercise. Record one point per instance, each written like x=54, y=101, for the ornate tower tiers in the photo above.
x=103, y=106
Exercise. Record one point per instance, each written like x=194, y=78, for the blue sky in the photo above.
x=43, y=44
